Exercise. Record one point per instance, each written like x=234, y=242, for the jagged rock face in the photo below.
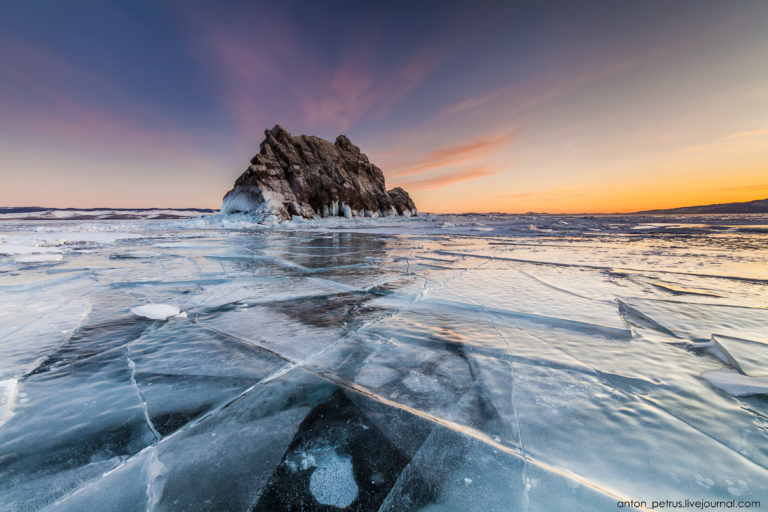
x=311, y=177
x=401, y=201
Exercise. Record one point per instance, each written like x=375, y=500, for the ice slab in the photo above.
x=31, y=327
x=92, y=414
x=697, y=322
x=156, y=311
x=731, y=381
x=342, y=454
x=453, y=472
x=748, y=357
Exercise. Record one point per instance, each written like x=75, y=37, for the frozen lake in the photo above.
x=443, y=363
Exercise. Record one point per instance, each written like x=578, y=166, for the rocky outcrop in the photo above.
x=311, y=177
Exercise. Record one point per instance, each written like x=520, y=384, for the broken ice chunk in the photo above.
x=156, y=311
x=731, y=381
x=748, y=357
x=137, y=255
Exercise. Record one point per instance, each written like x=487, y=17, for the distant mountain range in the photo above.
x=33, y=209
x=43, y=213
x=757, y=206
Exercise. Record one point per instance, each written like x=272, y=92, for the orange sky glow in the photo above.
x=564, y=114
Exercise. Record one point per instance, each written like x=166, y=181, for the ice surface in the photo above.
x=156, y=311
x=431, y=363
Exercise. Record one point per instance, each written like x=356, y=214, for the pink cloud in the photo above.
x=751, y=133
x=264, y=83
x=450, y=178
x=452, y=154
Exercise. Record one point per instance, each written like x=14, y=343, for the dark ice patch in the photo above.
x=94, y=339
x=344, y=428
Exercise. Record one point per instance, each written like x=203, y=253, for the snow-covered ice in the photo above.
x=436, y=363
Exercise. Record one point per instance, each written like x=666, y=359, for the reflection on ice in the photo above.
x=441, y=363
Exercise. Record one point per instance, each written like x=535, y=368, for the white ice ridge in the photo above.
x=157, y=311
x=39, y=258
x=748, y=357
x=736, y=384
x=50, y=240
x=8, y=391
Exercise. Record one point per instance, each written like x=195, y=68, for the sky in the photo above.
x=544, y=106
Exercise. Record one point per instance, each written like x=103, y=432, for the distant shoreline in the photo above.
x=758, y=206
x=34, y=209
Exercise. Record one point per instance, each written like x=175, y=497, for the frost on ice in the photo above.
x=440, y=363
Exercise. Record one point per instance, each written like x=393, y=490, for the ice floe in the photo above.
x=156, y=311
x=733, y=382
x=748, y=357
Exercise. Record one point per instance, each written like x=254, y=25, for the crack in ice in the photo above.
x=132, y=367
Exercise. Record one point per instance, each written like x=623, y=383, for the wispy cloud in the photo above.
x=752, y=133
x=518, y=97
x=732, y=142
x=450, y=178
x=352, y=90
x=452, y=154
x=292, y=82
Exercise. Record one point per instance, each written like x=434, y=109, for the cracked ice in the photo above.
x=438, y=363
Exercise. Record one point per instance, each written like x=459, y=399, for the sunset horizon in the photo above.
x=429, y=256
x=597, y=108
